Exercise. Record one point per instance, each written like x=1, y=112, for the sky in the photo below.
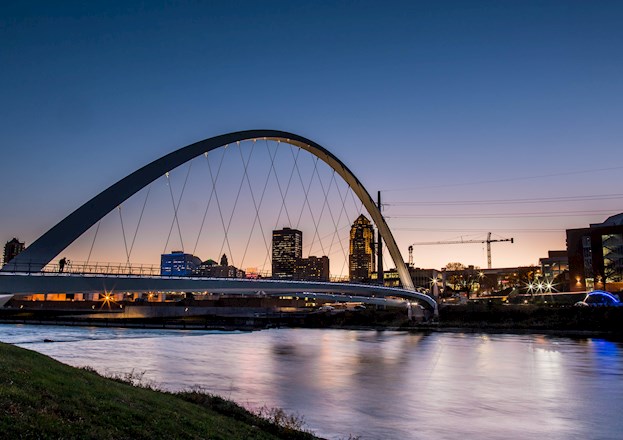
x=469, y=117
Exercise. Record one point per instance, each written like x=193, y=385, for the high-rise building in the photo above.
x=287, y=248
x=312, y=269
x=178, y=264
x=11, y=249
x=596, y=256
x=361, y=258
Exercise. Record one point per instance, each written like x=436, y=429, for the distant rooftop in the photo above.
x=615, y=220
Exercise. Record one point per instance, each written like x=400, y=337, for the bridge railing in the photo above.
x=87, y=268
x=113, y=268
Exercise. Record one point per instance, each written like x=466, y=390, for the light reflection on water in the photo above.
x=379, y=385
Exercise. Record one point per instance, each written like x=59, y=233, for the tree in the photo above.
x=455, y=276
x=455, y=266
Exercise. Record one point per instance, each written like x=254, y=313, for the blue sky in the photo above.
x=425, y=100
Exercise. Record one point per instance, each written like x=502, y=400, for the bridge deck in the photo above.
x=27, y=283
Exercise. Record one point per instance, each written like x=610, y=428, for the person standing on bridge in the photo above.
x=61, y=264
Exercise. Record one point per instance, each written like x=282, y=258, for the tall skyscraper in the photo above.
x=361, y=259
x=11, y=249
x=287, y=248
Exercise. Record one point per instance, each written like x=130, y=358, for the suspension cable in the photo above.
x=335, y=225
x=257, y=218
x=305, y=192
x=317, y=225
x=139, y=222
x=306, y=202
x=168, y=183
x=205, y=213
x=283, y=204
x=283, y=195
x=272, y=166
x=123, y=232
x=176, y=207
x=93, y=242
x=231, y=217
x=348, y=225
x=218, y=203
x=342, y=212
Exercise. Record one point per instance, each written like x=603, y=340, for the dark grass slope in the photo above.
x=41, y=398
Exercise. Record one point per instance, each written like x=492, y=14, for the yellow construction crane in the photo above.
x=489, y=240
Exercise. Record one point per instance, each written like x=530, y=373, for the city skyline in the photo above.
x=470, y=119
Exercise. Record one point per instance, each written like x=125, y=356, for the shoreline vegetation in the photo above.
x=41, y=398
x=471, y=317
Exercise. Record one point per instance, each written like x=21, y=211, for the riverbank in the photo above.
x=471, y=317
x=564, y=319
x=41, y=398
x=492, y=318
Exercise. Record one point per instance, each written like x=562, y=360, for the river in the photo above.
x=376, y=385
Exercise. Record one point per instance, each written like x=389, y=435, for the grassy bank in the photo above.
x=41, y=398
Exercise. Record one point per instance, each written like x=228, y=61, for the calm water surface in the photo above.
x=378, y=385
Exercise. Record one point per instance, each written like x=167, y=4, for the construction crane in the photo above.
x=489, y=240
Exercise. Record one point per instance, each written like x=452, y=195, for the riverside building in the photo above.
x=11, y=249
x=178, y=264
x=555, y=266
x=312, y=269
x=211, y=269
x=596, y=256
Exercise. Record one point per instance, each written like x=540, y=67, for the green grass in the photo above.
x=41, y=398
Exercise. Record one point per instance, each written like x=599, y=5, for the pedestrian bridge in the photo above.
x=25, y=274
x=27, y=283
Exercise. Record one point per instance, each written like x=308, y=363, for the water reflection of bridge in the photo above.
x=26, y=274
